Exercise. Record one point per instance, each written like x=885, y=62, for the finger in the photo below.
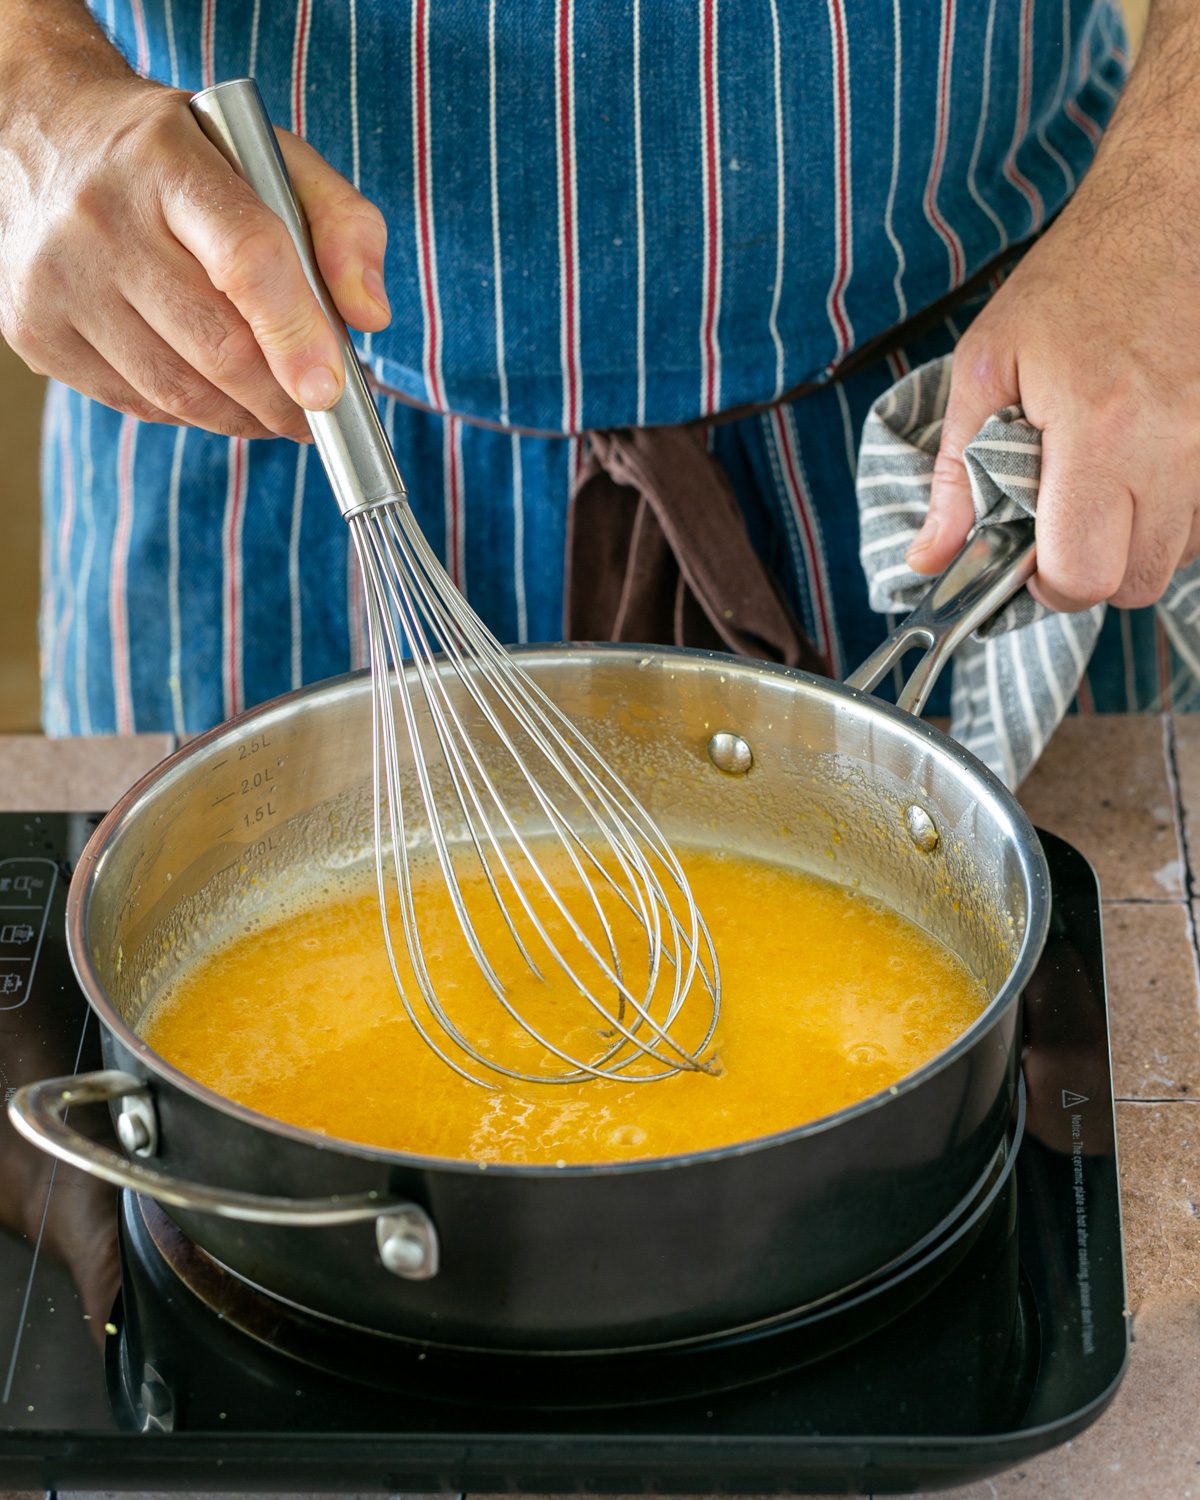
x=980, y=384
x=70, y=359
x=1157, y=546
x=349, y=234
x=1084, y=520
x=246, y=253
x=163, y=378
x=181, y=305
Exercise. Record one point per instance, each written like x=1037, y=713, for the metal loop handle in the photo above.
x=37, y=1111
x=349, y=437
x=994, y=564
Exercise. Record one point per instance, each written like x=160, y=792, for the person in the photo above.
x=552, y=223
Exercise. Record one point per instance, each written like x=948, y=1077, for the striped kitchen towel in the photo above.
x=1014, y=679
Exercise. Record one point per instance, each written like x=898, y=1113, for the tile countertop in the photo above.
x=1125, y=791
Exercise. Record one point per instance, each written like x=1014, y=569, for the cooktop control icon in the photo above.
x=26, y=888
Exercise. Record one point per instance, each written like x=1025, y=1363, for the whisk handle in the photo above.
x=349, y=438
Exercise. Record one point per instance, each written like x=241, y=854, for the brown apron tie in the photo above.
x=657, y=552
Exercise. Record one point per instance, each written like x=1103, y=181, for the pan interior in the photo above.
x=838, y=787
x=827, y=1000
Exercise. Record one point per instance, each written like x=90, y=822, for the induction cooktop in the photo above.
x=120, y=1371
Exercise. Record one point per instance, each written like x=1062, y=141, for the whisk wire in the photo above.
x=488, y=650
x=428, y=994
x=624, y=805
x=387, y=773
x=413, y=600
x=438, y=699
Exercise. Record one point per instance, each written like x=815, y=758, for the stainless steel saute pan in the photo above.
x=758, y=758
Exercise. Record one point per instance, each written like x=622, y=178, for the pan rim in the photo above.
x=1032, y=941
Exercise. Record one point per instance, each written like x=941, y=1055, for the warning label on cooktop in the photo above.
x=26, y=888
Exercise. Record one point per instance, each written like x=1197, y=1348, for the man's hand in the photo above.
x=138, y=267
x=1096, y=335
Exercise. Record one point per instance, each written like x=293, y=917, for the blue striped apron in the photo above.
x=601, y=213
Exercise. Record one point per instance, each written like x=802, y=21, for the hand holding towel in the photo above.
x=1014, y=680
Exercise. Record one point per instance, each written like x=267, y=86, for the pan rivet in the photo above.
x=408, y=1243
x=921, y=828
x=137, y=1129
x=730, y=753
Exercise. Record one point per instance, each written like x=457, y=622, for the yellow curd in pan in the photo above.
x=827, y=997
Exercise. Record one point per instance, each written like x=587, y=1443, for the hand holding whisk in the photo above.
x=476, y=769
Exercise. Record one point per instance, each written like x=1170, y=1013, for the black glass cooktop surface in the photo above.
x=1005, y=1336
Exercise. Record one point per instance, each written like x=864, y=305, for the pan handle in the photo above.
x=405, y=1234
x=995, y=562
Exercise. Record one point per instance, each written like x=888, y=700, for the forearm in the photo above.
x=49, y=49
x=1096, y=335
x=1151, y=151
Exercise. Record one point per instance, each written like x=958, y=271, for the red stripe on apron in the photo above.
x=945, y=233
x=809, y=526
x=231, y=547
x=836, y=301
x=143, y=45
x=710, y=177
x=424, y=189
x=897, y=363
x=1012, y=173
x=118, y=611
x=568, y=228
x=454, y=499
x=207, y=18
x=300, y=67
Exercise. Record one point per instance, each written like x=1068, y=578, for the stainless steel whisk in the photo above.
x=483, y=736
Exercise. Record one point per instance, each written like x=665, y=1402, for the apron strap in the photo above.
x=658, y=552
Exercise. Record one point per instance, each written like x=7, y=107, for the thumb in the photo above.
x=978, y=387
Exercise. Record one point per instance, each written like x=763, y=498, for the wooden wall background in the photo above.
x=20, y=414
